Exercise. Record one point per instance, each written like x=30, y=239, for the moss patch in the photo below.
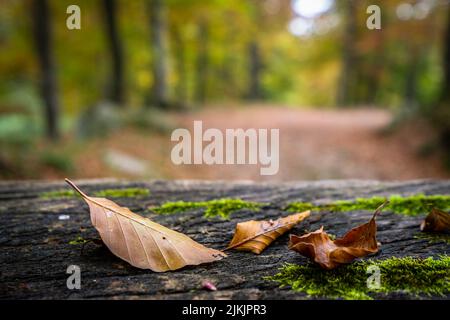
x=122, y=193
x=213, y=208
x=78, y=240
x=433, y=237
x=106, y=193
x=414, y=276
x=411, y=205
x=57, y=194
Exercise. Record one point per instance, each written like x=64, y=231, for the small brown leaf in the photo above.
x=436, y=221
x=142, y=242
x=255, y=236
x=329, y=254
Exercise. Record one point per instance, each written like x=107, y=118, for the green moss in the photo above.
x=411, y=205
x=433, y=237
x=106, y=193
x=58, y=194
x=303, y=206
x=409, y=275
x=213, y=208
x=78, y=240
x=122, y=193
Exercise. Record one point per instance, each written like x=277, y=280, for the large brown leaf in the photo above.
x=329, y=254
x=142, y=242
x=436, y=221
x=255, y=236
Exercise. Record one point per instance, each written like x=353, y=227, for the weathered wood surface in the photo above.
x=35, y=249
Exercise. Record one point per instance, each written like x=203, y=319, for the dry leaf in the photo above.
x=142, y=242
x=436, y=221
x=255, y=236
x=329, y=254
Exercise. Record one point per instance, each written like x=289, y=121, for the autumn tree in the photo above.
x=158, y=44
x=202, y=62
x=349, y=9
x=44, y=49
x=254, y=54
x=446, y=62
x=179, y=46
x=442, y=115
x=116, y=88
x=255, y=66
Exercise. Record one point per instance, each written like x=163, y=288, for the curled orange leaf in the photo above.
x=329, y=254
x=255, y=236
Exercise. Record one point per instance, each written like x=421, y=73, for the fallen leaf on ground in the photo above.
x=436, y=221
x=142, y=242
x=329, y=254
x=255, y=236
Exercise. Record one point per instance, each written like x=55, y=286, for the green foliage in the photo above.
x=409, y=275
x=15, y=129
x=213, y=208
x=57, y=160
x=106, y=193
x=295, y=69
x=409, y=205
x=150, y=119
x=99, y=120
x=20, y=124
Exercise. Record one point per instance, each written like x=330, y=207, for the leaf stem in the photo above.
x=379, y=209
x=76, y=188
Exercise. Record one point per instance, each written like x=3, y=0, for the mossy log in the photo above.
x=36, y=231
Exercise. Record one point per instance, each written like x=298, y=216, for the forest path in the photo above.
x=314, y=144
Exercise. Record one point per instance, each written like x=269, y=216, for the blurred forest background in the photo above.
x=102, y=101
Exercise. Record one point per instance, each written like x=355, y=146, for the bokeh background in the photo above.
x=102, y=101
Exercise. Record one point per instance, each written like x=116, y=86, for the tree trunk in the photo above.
x=180, y=57
x=43, y=40
x=116, y=89
x=410, y=99
x=443, y=112
x=348, y=55
x=158, y=33
x=446, y=83
x=255, y=66
x=202, y=62
x=379, y=62
x=36, y=235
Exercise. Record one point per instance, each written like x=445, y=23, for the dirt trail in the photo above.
x=314, y=144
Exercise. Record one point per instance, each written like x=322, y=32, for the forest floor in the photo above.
x=314, y=144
